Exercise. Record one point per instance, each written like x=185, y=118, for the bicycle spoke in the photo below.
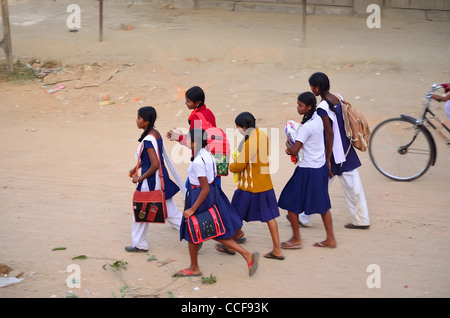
x=419, y=151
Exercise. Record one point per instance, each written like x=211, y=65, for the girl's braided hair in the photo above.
x=147, y=113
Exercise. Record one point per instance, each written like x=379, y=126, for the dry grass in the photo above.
x=24, y=71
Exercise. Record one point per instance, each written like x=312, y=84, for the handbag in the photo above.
x=205, y=225
x=150, y=206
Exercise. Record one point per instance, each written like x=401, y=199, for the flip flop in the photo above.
x=187, y=273
x=320, y=244
x=253, y=265
x=288, y=245
x=223, y=249
x=272, y=256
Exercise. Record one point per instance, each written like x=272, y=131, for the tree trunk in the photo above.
x=6, y=42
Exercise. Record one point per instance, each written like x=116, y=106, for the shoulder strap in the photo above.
x=339, y=96
x=203, y=118
x=215, y=172
x=213, y=160
x=159, y=161
x=345, y=116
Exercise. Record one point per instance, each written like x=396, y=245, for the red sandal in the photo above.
x=253, y=264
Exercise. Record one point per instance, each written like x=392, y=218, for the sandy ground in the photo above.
x=64, y=158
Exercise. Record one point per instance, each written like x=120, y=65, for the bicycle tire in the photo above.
x=396, y=153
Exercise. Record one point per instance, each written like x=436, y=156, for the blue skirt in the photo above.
x=230, y=218
x=306, y=191
x=261, y=206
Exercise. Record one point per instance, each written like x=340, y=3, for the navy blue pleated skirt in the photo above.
x=306, y=191
x=230, y=218
x=261, y=206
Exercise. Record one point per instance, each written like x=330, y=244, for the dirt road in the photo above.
x=64, y=158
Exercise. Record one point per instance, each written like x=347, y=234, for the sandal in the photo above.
x=322, y=244
x=223, y=249
x=187, y=273
x=272, y=256
x=253, y=264
x=288, y=245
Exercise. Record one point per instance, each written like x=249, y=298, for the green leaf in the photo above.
x=59, y=249
x=209, y=280
x=117, y=265
x=80, y=257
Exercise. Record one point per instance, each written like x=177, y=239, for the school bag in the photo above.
x=356, y=126
x=218, y=145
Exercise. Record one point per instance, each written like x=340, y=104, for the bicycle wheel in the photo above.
x=400, y=149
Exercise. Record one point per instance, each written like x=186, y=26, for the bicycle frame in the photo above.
x=420, y=126
x=407, y=159
x=420, y=123
x=428, y=98
x=435, y=128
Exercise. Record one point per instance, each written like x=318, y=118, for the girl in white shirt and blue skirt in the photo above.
x=204, y=193
x=307, y=190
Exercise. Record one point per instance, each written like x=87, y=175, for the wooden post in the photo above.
x=6, y=42
x=101, y=20
x=304, y=24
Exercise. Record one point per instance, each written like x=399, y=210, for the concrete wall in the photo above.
x=417, y=9
x=428, y=9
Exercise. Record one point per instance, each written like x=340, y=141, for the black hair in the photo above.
x=308, y=99
x=200, y=137
x=245, y=119
x=196, y=94
x=321, y=80
x=147, y=113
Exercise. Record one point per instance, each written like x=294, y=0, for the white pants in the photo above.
x=354, y=194
x=447, y=109
x=139, y=230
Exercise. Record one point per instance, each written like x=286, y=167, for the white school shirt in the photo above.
x=202, y=166
x=338, y=149
x=310, y=134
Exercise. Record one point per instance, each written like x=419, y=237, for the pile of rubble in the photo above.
x=9, y=276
